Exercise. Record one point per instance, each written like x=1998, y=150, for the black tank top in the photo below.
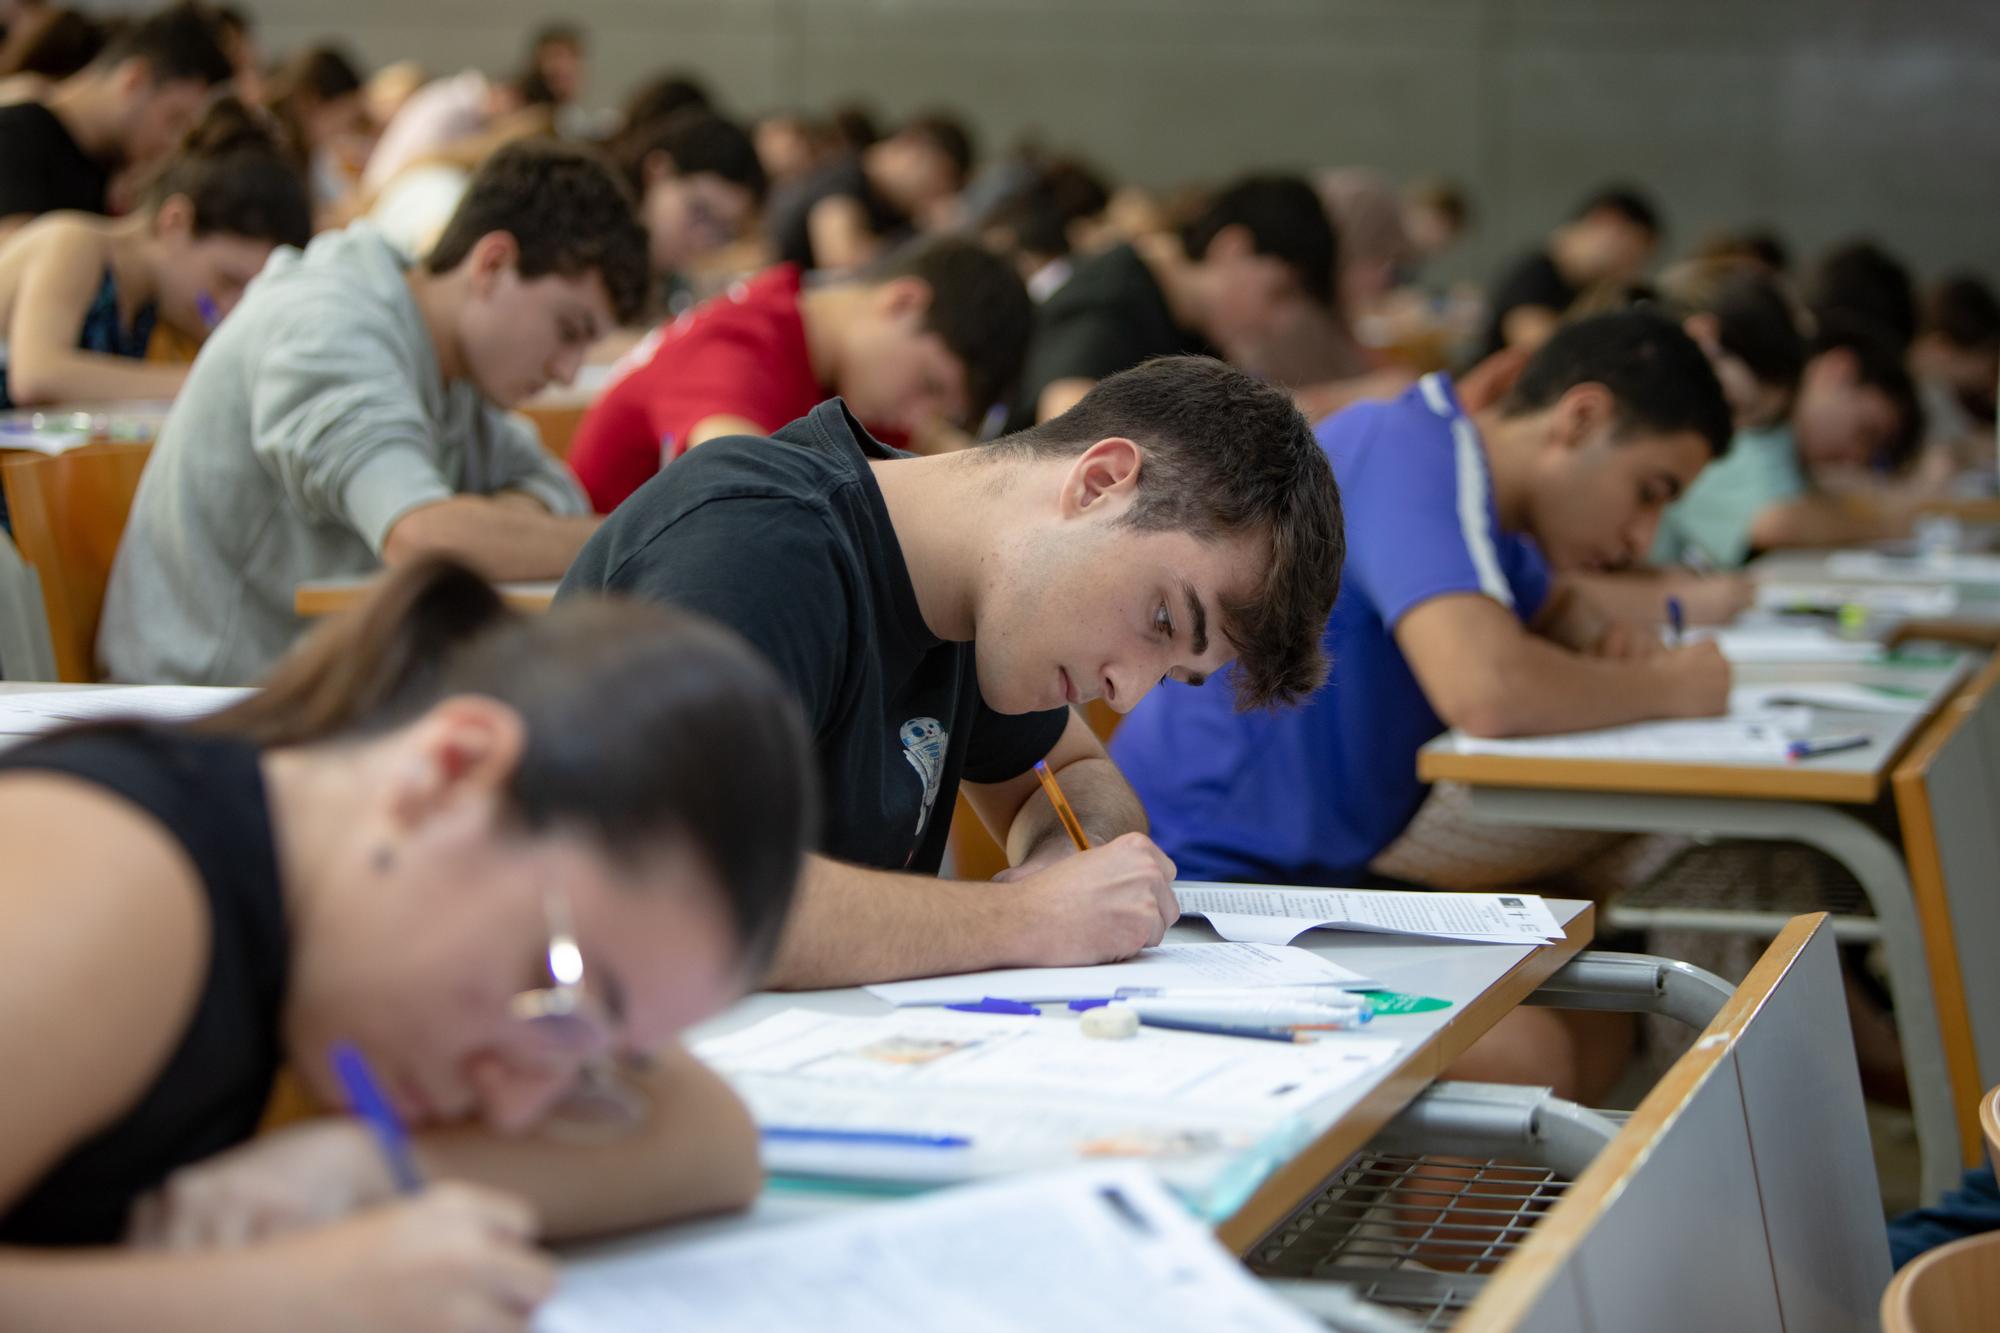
x=208, y=793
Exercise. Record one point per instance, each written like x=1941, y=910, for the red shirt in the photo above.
x=742, y=354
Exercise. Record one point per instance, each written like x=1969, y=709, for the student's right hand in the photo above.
x=1098, y=906
x=454, y=1259
x=1697, y=679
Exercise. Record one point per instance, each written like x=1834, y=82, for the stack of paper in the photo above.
x=30, y=714
x=1955, y=566
x=1162, y=968
x=939, y=1095
x=1833, y=696
x=1074, y=1252
x=1246, y=912
x=1776, y=643
x=1888, y=599
x=1695, y=741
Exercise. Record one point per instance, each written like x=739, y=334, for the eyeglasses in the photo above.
x=604, y=1102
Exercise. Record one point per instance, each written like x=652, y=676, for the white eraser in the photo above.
x=1113, y=1022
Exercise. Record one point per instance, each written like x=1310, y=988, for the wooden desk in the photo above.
x=1485, y=983
x=323, y=597
x=1817, y=802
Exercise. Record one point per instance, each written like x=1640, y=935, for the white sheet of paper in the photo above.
x=32, y=713
x=1788, y=644
x=1691, y=741
x=1267, y=913
x=1957, y=566
x=1026, y=1091
x=1246, y=965
x=1070, y=1252
x=1834, y=696
x=1894, y=599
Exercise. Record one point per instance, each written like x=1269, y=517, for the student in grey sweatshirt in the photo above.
x=352, y=412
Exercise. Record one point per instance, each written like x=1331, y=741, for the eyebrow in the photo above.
x=1198, y=618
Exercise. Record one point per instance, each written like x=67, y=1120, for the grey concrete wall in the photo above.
x=1822, y=117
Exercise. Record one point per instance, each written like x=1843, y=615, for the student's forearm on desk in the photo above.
x=1102, y=799
x=114, y=1290
x=501, y=538
x=1830, y=520
x=850, y=925
x=1640, y=596
x=1485, y=674
x=71, y=376
x=695, y=1153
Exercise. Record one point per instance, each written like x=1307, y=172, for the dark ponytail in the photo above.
x=241, y=174
x=643, y=723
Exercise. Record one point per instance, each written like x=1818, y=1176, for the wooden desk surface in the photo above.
x=1484, y=982
x=323, y=597
x=1850, y=777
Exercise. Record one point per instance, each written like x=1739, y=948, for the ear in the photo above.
x=1106, y=475
x=904, y=298
x=1581, y=413
x=657, y=167
x=174, y=218
x=1232, y=242
x=465, y=748
x=1706, y=330
x=492, y=254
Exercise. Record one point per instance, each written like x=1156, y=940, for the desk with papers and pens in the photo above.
x=957, y=1153
x=893, y=1113
x=1824, y=729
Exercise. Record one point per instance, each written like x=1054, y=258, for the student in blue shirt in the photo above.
x=1450, y=615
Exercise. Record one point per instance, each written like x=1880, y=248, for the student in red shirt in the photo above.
x=936, y=334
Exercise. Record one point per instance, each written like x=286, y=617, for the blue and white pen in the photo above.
x=365, y=1099
x=1676, y=621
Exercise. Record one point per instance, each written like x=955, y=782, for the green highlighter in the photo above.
x=1386, y=1002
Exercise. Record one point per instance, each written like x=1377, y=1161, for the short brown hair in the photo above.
x=1227, y=456
x=568, y=213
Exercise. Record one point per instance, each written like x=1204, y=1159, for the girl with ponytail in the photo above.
x=80, y=295
x=507, y=858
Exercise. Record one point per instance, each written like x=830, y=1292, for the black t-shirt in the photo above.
x=208, y=794
x=790, y=216
x=788, y=542
x=1535, y=281
x=41, y=167
x=1108, y=317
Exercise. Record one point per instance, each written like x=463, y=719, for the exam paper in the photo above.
x=1246, y=965
x=43, y=710
x=1783, y=644
x=1243, y=912
x=1956, y=566
x=1686, y=741
x=1889, y=599
x=1834, y=696
x=1025, y=1091
x=1072, y=1252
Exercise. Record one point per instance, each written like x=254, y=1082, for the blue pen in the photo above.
x=989, y=1005
x=365, y=1099
x=878, y=1138
x=1833, y=745
x=205, y=307
x=1676, y=619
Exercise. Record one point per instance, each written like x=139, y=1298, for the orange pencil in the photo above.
x=1061, y=803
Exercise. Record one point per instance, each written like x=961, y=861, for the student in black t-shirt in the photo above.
x=503, y=857
x=1224, y=287
x=1608, y=241
x=938, y=617
x=129, y=107
x=846, y=213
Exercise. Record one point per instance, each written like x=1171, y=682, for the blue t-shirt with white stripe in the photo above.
x=1311, y=795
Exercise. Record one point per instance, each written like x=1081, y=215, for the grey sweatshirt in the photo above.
x=314, y=418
